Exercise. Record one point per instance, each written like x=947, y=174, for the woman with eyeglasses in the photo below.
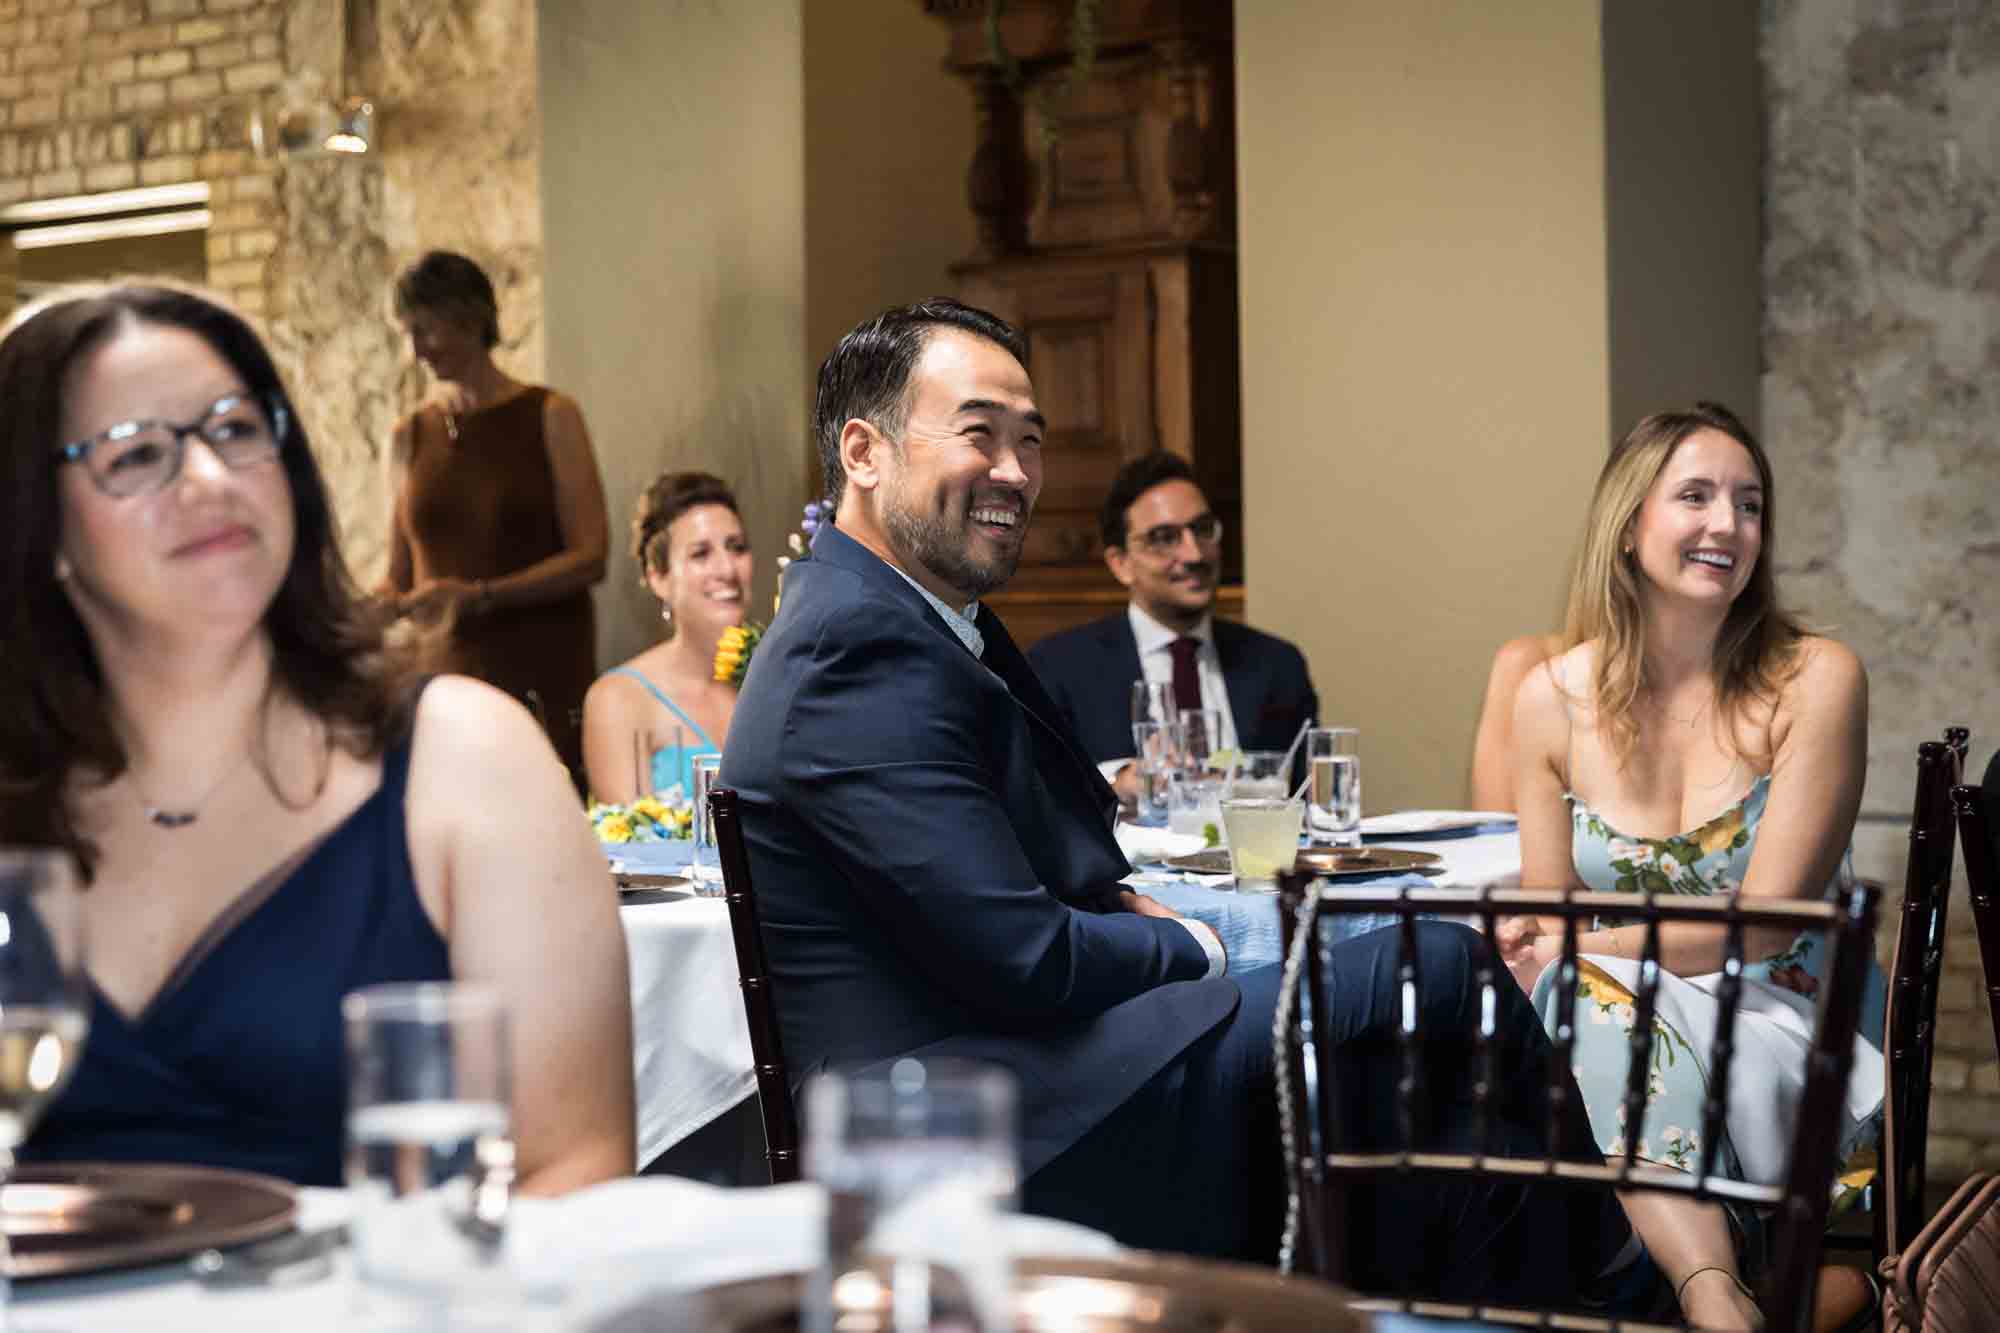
x=268, y=807
x=499, y=529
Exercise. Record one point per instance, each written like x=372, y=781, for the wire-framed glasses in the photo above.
x=1164, y=538
x=141, y=457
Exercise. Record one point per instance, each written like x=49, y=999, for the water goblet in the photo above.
x=44, y=997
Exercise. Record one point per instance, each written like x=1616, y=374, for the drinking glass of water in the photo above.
x=705, y=869
x=1333, y=816
x=430, y=1163
x=1156, y=747
x=1152, y=701
x=44, y=997
x=1201, y=728
x=920, y=1164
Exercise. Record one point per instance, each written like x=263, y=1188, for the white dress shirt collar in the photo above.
x=1153, y=637
x=961, y=623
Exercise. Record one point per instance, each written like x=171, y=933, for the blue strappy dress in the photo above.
x=673, y=764
x=240, y=1059
x=1774, y=1026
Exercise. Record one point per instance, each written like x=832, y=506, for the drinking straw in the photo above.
x=1300, y=794
x=1293, y=749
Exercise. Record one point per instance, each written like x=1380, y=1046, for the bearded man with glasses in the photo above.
x=1164, y=543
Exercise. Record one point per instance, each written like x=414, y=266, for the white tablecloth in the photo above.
x=568, y=1262
x=690, y=1041
x=691, y=1044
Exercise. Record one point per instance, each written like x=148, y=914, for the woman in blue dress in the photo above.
x=1693, y=739
x=269, y=808
x=644, y=721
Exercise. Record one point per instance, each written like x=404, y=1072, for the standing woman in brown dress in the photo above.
x=498, y=530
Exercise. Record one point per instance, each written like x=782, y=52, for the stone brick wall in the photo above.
x=122, y=93
x=100, y=95
x=1881, y=390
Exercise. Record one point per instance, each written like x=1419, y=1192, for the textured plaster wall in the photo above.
x=1881, y=396
x=457, y=164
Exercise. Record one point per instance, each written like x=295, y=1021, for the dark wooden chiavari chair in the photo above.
x=760, y=1002
x=1799, y=1207
x=1978, y=810
x=1915, y=973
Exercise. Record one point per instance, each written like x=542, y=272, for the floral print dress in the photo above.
x=1774, y=1024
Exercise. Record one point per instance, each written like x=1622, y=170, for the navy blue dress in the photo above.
x=240, y=1060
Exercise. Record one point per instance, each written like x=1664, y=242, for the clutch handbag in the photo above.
x=1947, y=1280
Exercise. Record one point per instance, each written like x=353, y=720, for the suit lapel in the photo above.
x=1006, y=662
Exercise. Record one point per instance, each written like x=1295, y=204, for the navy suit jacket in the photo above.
x=1088, y=671
x=929, y=852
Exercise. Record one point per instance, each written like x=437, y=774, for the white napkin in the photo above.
x=613, y=1242
x=1140, y=843
x=1430, y=821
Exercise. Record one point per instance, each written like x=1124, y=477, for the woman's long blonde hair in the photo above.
x=1758, y=646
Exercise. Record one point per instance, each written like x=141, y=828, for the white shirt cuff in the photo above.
x=1211, y=944
x=1109, y=768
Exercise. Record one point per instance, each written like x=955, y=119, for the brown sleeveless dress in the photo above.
x=481, y=507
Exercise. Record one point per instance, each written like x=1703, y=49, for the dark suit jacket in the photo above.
x=1088, y=672
x=921, y=833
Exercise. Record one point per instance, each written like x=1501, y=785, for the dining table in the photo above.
x=691, y=1043
x=692, y=1061
x=584, y=1263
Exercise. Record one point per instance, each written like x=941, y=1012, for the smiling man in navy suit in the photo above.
x=934, y=861
x=1163, y=542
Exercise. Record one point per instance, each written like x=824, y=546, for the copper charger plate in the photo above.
x=79, y=1217
x=1138, y=1290
x=656, y=884
x=1330, y=862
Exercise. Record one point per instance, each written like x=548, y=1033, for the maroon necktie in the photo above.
x=1187, y=681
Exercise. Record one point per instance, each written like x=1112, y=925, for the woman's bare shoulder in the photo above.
x=1825, y=673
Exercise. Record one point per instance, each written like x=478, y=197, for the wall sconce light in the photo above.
x=320, y=128
x=344, y=124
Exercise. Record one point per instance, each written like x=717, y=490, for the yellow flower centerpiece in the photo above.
x=732, y=653
x=648, y=819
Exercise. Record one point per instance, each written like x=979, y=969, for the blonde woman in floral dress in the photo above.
x=1694, y=739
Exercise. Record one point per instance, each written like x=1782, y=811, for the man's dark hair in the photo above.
x=867, y=375
x=446, y=283
x=1137, y=477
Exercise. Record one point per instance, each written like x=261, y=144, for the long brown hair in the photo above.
x=55, y=714
x=1757, y=649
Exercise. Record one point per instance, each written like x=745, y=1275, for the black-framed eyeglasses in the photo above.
x=141, y=457
x=1164, y=538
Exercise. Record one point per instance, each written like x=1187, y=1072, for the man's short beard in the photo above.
x=927, y=540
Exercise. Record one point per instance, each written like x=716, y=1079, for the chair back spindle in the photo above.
x=760, y=1003
x=1317, y=1165
x=1978, y=813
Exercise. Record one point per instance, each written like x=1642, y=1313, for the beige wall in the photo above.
x=1453, y=283
x=673, y=203
x=1424, y=353
x=888, y=138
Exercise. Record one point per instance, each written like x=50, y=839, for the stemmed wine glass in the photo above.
x=44, y=997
